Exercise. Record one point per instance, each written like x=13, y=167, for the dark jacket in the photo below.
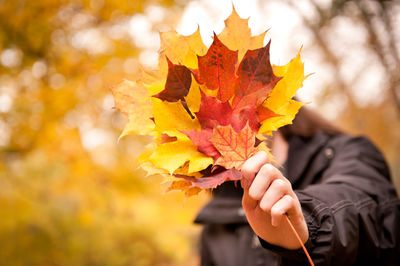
x=351, y=208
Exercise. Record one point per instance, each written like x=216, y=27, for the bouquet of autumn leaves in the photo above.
x=209, y=109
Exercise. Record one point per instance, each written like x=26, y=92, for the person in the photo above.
x=335, y=189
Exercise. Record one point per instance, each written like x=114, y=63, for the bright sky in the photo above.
x=359, y=69
x=283, y=24
x=288, y=34
x=285, y=29
x=210, y=15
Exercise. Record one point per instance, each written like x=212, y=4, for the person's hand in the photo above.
x=268, y=196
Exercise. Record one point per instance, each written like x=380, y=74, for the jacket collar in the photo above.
x=300, y=154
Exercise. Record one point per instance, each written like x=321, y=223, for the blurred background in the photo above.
x=70, y=194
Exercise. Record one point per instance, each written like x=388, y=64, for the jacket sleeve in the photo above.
x=352, y=213
x=205, y=254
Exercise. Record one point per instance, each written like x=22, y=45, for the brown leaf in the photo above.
x=178, y=83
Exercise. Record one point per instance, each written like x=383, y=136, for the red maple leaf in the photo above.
x=255, y=78
x=217, y=69
x=202, y=140
x=214, y=180
x=240, y=117
x=213, y=112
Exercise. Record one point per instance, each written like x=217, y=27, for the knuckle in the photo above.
x=254, y=193
x=267, y=169
x=295, y=199
x=246, y=169
x=289, y=185
x=247, y=177
x=262, y=155
x=265, y=206
x=280, y=184
x=276, y=211
x=290, y=201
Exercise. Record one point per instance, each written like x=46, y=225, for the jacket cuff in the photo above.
x=297, y=255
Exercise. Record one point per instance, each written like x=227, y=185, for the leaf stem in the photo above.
x=298, y=239
x=184, y=104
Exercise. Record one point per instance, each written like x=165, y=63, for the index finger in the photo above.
x=251, y=167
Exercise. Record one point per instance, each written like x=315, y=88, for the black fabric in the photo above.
x=351, y=208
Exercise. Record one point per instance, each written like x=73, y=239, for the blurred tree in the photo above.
x=69, y=195
x=372, y=58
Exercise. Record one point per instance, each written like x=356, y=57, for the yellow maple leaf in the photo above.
x=185, y=186
x=280, y=99
x=184, y=170
x=172, y=116
x=155, y=87
x=193, y=98
x=292, y=77
x=180, y=49
x=288, y=112
x=150, y=169
x=132, y=99
x=172, y=155
x=237, y=35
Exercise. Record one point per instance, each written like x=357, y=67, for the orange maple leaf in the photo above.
x=235, y=148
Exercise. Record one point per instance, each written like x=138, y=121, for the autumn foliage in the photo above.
x=209, y=109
